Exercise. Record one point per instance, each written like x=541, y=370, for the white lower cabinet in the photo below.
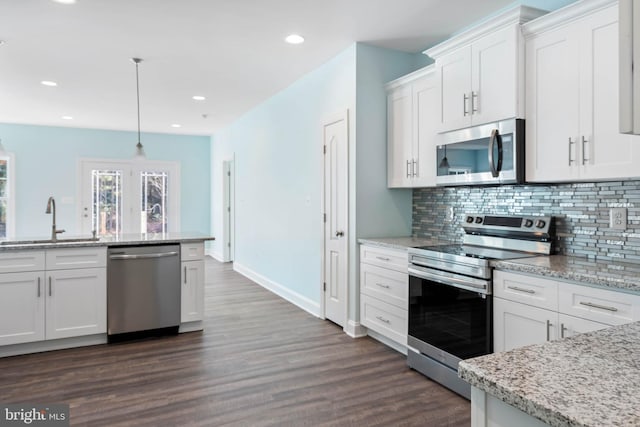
x=22, y=309
x=44, y=300
x=384, y=292
x=531, y=309
x=516, y=325
x=192, y=295
x=192, y=303
x=76, y=302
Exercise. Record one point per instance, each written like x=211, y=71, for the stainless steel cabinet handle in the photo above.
x=383, y=286
x=382, y=319
x=603, y=307
x=415, y=168
x=381, y=258
x=548, y=330
x=185, y=274
x=465, y=98
x=38, y=287
x=570, y=144
x=562, y=329
x=516, y=288
x=49, y=285
x=584, y=142
x=474, y=102
x=408, y=169
x=144, y=256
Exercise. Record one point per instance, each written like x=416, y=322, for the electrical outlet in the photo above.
x=618, y=218
x=450, y=214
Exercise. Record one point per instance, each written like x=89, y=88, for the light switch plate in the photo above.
x=618, y=218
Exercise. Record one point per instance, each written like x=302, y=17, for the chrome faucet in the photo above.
x=51, y=209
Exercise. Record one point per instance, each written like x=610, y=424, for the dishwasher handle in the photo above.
x=144, y=256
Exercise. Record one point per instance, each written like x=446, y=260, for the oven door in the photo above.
x=449, y=321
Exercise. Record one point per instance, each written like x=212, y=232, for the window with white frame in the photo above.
x=129, y=197
x=7, y=200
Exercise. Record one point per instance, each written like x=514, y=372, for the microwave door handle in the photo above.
x=495, y=139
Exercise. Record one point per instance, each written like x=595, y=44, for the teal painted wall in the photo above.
x=47, y=164
x=277, y=150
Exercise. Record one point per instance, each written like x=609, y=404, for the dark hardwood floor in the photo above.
x=260, y=361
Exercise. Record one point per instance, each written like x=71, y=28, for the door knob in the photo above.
x=339, y=233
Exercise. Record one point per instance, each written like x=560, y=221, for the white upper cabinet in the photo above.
x=480, y=72
x=412, y=111
x=572, y=108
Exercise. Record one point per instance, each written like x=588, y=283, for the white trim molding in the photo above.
x=355, y=329
x=295, y=298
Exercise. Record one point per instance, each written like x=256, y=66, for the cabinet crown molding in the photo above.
x=408, y=78
x=515, y=15
x=564, y=16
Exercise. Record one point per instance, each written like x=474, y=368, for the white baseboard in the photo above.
x=301, y=301
x=215, y=255
x=355, y=329
x=59, y=344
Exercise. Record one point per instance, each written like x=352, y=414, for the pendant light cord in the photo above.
x=138, y=98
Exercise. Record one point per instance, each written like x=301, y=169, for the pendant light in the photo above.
x=444, y=163
x=140, y=154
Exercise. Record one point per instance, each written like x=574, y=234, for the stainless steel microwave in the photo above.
x=488, y=154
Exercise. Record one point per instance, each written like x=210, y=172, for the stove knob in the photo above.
x=540, y=223
x=478, y=220
x=469, y=219
x=528, y=223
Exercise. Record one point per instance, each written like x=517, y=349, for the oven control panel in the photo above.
x=484, y=224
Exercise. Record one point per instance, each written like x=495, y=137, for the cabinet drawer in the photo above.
x=388, y=285
x=191, y=251
x=384, y=318
x=18, y=261
x=64, y=259
x=383, y=257
x=530, y=290
x=599, y=305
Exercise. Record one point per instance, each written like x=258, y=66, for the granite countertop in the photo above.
x=586, y=380
x=609, y=274
x=85, y=241
x=401, y=243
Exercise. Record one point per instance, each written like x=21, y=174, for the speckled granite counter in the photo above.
x=614, y=274
x=115, y=240
x=586, y=380
x=401, y=243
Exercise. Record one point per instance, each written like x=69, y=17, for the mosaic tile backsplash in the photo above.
x=581, y=211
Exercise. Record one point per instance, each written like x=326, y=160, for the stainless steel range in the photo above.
x=450, y=292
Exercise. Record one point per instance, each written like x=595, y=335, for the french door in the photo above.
x=129, y=197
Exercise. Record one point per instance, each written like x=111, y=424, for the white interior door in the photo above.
x=228, y=210
x=335, y=206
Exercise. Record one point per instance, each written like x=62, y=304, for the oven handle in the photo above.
x=449, y=281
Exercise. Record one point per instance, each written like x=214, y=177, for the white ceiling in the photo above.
x=230, y=51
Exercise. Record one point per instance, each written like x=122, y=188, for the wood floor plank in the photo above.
x=260, y=361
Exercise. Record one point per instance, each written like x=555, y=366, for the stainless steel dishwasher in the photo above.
x=143, y=291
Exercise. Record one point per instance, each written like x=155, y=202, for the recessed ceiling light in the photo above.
x=199, y=97
x=294, y=39
x=65, y=1
x=67, y=118
x=175, y=125
x=2, y=42
x=48, y=83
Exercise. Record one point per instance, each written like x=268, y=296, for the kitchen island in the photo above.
x=53, y=294
x=586, y=380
